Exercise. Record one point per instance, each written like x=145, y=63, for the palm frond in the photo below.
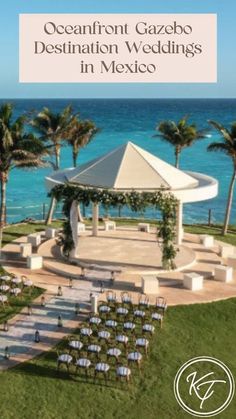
x=233, y=130
x=220, y=128
x=228, y=145
x=180, y=134
x=52, y=126
x=222, y=147
x=80, y=133
x=30, y=163
x=6, y=111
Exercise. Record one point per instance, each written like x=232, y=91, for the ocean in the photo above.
x=122, y=120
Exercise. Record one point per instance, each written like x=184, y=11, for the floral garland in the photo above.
x=136, y=201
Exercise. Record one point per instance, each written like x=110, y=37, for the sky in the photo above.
x=11, y=88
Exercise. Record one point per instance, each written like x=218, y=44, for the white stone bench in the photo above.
x=150, y=284
x=50, y=233
x=206, y=240
x=109, y=225
x=144, y=227
x=34, y=239
x=193, y=281
x=231, y=261
x=80, y=228
x=34, y=261
x=223, y=273
x=226, y=250
x=25, y=249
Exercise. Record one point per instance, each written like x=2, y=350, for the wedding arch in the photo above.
x=72, y=196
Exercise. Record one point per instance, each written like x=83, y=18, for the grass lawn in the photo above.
x=16, y=304
x=213, y=231
x=14, y=231
x=11, y=233
x=34, y=390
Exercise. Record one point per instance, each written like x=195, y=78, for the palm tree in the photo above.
x=228, y=147
x=52, y=128
x=80, y=133
x=18, y=149
x=180, y=135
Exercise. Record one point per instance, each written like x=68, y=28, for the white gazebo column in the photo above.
x=179, y=223
x=80, y=216
x=95, y=218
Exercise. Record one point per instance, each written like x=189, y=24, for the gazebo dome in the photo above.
x=125, y=168
x=128, y=168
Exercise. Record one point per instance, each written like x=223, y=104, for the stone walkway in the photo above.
x=21, y=334
x=20, y=337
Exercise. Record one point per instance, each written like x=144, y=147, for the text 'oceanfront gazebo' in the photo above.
x=131, y=168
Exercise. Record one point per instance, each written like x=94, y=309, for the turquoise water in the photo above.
x=122, y=120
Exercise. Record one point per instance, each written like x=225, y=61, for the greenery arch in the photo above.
x=136, y=201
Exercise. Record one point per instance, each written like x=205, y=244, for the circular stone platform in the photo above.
x=127, y=249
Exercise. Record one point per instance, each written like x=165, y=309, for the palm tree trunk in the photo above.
x=75, y=158
x=229, y=203
x=177, y=154
x=53, y=200
x=57, y=155
x=3, y=205
x=51, y=211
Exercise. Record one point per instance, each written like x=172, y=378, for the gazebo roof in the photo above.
x=125, y=168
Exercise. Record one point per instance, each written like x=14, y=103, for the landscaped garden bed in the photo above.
x=17, y=303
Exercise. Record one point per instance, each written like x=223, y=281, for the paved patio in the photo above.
x=129, y=250
x=20, y=337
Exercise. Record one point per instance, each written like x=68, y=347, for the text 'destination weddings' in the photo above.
x=118, y=48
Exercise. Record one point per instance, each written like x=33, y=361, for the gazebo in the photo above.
x=131, y=168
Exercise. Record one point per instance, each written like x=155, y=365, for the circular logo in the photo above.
x=204, y=386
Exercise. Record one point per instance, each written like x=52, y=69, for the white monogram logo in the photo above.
x=204, y=387
x=196, y=386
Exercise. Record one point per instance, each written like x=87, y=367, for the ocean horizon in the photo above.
x=122, y=120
